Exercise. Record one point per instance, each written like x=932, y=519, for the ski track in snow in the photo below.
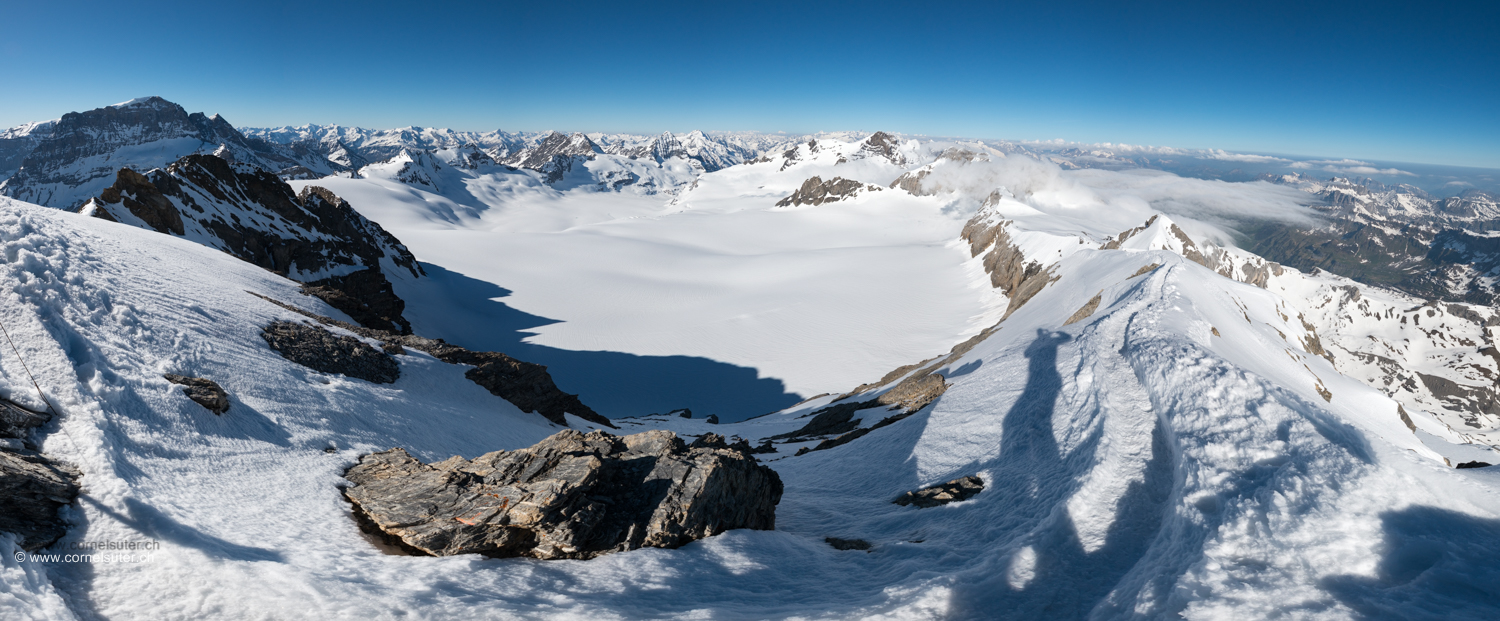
x=1136, y=465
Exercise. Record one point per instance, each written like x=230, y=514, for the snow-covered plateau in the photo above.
x=1165, y=425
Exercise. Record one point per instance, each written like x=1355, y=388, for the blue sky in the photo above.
x=1403, y=82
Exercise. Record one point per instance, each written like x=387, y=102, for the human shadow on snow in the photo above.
x=1435, y=564
x=151, y=522
x=1062, y=579
x=467, y=312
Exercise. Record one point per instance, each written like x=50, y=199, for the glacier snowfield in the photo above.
x=1177, y=453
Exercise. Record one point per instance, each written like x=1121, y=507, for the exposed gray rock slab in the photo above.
x=572, y=495
x=17, y=422
x=320, y=350
x=204, y=392
x=953, y=491
x=32, y=489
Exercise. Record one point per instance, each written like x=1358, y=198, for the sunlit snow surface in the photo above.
x=1136, y=464
x=814, y=299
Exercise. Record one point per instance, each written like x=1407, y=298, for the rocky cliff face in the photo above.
x=555, y=155
x=80, y=153
x=18, y=142
x=313, y=236
x=816, y=191
x=884, y=146
x=572, y=495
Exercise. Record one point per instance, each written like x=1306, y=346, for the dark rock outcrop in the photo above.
x=572, y=495
x=311, y=236
x=32, y=489
x=204, y=392
x=366, y=296
x=32, y=486
x=957, y=490
x=816, y=191
x=17, y=422
x=528, y=386
x=320, y=350
x=834, y=419
x=1473, y=464
x=847, y=544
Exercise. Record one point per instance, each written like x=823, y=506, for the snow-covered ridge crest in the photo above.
x=1445, y=379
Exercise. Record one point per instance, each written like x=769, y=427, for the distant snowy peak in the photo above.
x=312, y=237
x=709, y=154
x=410, y=166
x=355, y=147
x=883, y=145
x=1369, y=201
x=556, y=155
x=76, y=157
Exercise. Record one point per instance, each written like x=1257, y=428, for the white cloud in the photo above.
x=1366, y=170
x=1348, y=167
x=1344, y=162
x=1206, y=207
x=1219, y=154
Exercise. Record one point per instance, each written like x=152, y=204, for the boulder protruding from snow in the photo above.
x=32, y=489
x=957, y=490
x=320, y=350
x=572, y=495
x=204, y=392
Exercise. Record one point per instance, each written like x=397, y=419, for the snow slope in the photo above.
x=1137, y=465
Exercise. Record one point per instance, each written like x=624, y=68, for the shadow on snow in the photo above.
x=465, y=311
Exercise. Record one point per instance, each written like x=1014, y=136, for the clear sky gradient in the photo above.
x=1392, y=81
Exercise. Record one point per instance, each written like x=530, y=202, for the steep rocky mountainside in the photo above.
x=18, y=142
x=312, y=236
x=76, y=157
x=555, y=155
x=1398, y=237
